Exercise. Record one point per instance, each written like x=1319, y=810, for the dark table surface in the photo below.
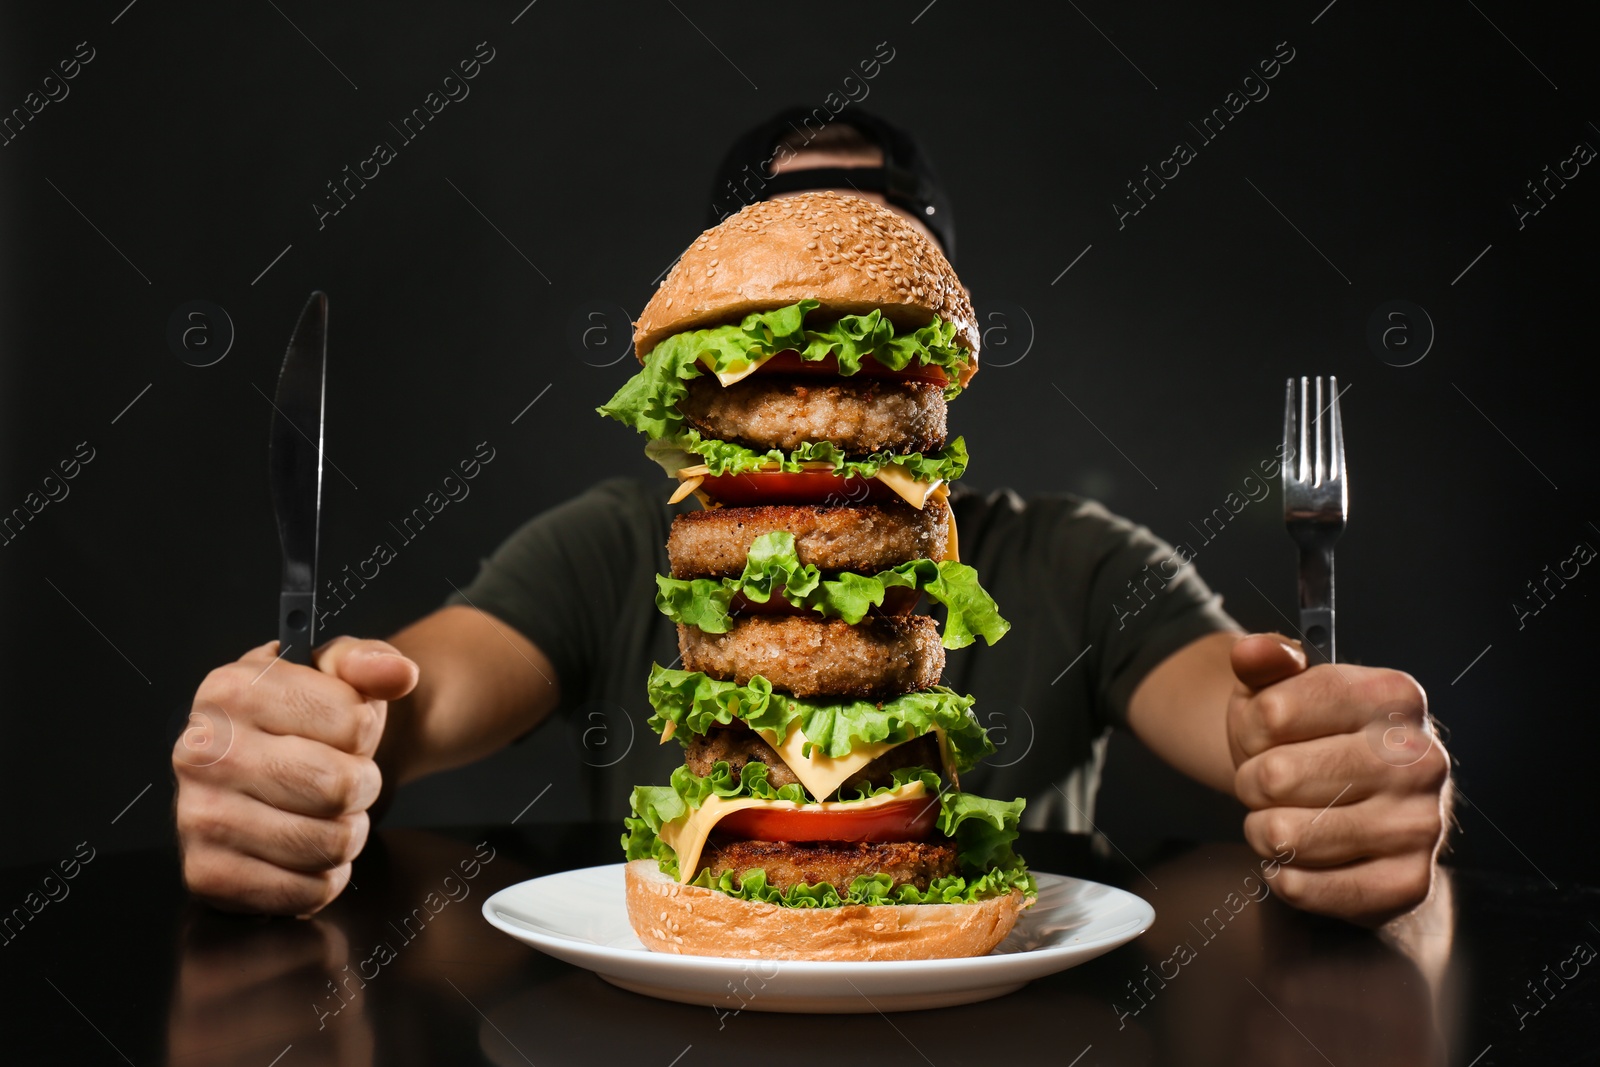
x=116, y=966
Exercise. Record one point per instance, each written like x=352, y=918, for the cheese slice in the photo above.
x=729, y=377
x=823, y=775
x=687, y=486
x=897, y=478
x=906, y=487
x=687, y=836
x=952, y=549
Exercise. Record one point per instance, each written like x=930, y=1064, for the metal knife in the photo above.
x=296, y=475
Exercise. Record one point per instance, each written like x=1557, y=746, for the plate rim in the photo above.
x=642, y=956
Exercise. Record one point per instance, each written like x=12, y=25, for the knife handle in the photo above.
x=296, y=626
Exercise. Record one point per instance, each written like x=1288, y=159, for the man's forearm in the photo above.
x=1180, y=710
x=481, y=685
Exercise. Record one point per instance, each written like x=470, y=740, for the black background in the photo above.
x=191, y=149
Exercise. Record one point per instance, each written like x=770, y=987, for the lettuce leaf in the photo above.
x=982, y=829
x=874, y=889
x=648, y=401
x=639, y=840
x=689, y=449
x=694, y=702
x=773, y=566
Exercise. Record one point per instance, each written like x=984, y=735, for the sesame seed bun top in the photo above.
x=850, y=254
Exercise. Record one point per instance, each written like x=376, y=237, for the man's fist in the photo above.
x=276, y=772
x=1340, y=766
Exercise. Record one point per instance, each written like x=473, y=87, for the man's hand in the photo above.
x=1341, y=769
x=276, y=772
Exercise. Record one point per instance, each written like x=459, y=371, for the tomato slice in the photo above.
x=796, y=487
x=896, y=601
x=789, y=362
x=902, y=820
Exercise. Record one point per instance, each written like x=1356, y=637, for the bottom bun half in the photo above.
x=692, y=921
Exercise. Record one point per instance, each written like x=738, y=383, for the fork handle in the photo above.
x=1316, y=600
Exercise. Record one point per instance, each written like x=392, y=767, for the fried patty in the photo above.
x=879, y=657
x=738, y=745
x=865, y=539
x=859, y=415
x=839, y=862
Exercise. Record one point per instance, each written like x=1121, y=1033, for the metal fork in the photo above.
x=1315, y=500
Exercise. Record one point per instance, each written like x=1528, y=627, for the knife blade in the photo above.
x=295, y=471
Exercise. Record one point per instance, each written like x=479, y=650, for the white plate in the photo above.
x=581, y=917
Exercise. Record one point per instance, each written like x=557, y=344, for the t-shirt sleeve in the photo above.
x=562, y=577
x=1142, y=603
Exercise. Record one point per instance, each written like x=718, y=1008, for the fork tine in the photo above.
x=1321, y=477
x=1335, y=435
x=1290, y=457
x=1302, y=460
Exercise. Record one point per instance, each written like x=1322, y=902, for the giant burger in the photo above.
x=797, y=364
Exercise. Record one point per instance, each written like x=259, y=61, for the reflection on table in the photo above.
x=380, y=960
x=403, y=969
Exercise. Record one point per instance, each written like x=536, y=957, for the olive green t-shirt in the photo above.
x=1094, y=603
